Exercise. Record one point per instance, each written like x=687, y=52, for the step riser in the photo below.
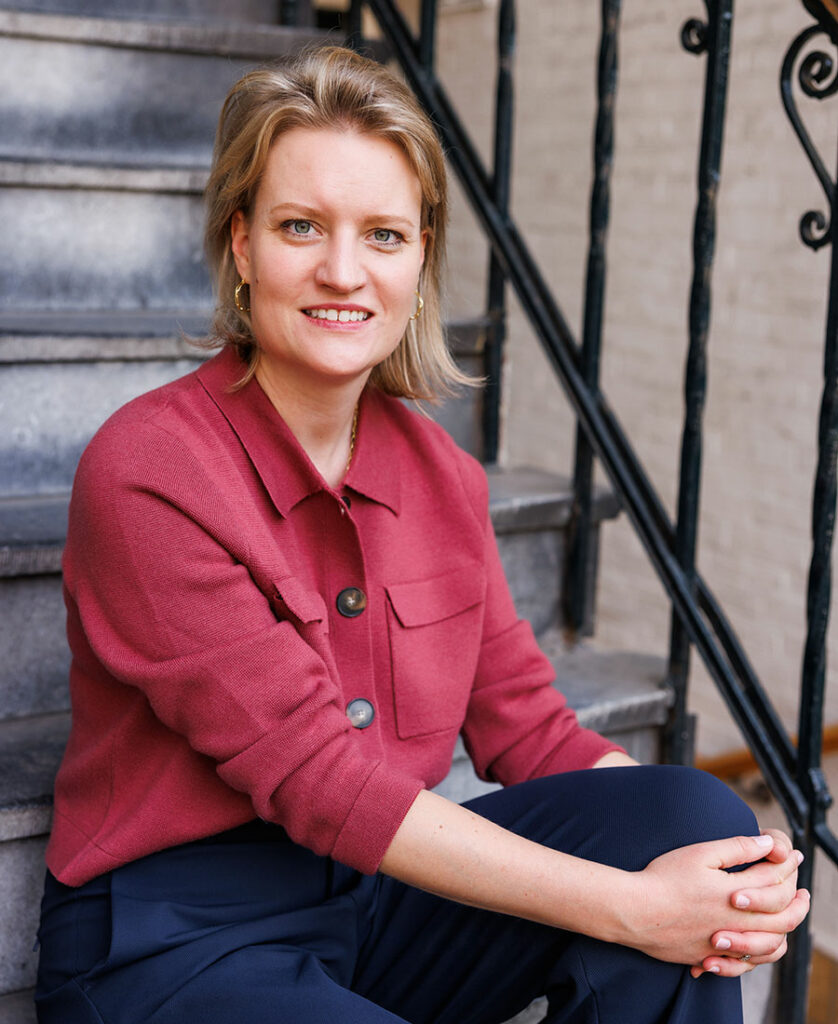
x=89, y=249
x=49, y=412
x=60, y=101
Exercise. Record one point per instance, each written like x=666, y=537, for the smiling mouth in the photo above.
x=343, y=316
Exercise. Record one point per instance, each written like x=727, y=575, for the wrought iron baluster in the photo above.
x=582, y=555
x=496, y=292
x=427, y=34
x=818, y=79
x=712, y=37
x=354, y=33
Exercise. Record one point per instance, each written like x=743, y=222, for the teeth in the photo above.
x=344, y=316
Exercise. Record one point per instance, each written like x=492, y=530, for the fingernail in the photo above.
x=714, y=969
x=722, y=943
x=764, y=840
x=742, y=901
x=800, y=857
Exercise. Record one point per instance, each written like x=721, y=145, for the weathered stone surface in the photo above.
x=100, y=249
x=36, y=660
x=62, y=101
x=21, y=885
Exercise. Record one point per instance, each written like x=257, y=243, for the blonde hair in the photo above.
x=331, y=87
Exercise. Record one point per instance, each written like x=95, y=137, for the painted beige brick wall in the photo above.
x=769, y=304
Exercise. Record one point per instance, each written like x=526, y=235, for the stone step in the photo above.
x=115, y=90
x=620, y=694
x=101, y=238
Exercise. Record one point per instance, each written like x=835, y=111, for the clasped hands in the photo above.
x=694, y=911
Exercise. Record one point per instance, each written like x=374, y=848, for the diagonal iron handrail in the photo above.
x=694, y=602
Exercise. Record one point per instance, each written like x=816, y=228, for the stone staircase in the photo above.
x=107, y=114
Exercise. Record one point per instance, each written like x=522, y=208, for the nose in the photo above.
x=341, y=267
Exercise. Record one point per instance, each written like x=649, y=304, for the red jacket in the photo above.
x=206, y=561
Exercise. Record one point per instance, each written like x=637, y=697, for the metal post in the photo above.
x=714, y=38
x=354, y=34
x=818, y=80
x=496, y=292
x=582, y=555
x=427, y=34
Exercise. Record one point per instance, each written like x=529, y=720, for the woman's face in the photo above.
x=332, y=252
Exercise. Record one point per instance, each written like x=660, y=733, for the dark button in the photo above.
x=360, y=713
x=351, y=602
x=346, y=500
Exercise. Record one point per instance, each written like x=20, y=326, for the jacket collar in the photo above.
x=283, y=466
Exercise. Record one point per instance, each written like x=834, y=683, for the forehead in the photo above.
x=324, y=167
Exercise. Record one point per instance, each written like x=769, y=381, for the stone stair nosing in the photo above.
x=230, y=38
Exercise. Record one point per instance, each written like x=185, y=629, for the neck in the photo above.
x=322, y=422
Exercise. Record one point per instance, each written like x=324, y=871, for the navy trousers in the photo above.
x=249, y=928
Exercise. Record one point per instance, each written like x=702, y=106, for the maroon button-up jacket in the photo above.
x=212, y=668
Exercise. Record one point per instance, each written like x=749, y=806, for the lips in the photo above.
x=343, y=316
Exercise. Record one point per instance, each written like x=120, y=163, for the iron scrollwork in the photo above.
x=817, y=76
x=694, y=35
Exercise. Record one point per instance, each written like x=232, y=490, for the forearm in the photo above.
x=448, y=850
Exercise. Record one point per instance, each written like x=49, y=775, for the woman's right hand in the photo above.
x=685, y=905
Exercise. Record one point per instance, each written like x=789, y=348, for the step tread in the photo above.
x=215, y=38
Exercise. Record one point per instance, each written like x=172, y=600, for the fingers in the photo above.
x=762, y=947
x=769, y=886
x=785, y=920
x=730, y=853
x=782, y=844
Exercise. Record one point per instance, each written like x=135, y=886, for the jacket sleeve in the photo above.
x=168, y=606
x=518, y=726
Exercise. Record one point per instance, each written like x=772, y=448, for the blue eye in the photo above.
x=387, y=237
x=300, y=227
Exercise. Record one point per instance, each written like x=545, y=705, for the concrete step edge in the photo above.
x=228, y=39
x=68, y=176
x=18, y=1007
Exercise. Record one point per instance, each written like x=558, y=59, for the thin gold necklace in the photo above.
x=352, y=437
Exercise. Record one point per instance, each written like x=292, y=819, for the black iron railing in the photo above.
x=793, y=773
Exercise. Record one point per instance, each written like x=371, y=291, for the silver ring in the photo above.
x=745, y=958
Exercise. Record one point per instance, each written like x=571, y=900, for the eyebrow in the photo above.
x=304, y=212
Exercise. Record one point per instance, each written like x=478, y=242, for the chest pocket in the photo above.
x=434, y=627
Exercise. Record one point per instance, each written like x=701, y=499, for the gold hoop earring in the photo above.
x=420, y=305
x=237, y=297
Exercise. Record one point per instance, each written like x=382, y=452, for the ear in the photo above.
x=240, y=243
x=423, y=242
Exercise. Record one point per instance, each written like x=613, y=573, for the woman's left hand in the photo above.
x=779, y=891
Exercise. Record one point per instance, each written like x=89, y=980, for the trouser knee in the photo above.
x=696, y=807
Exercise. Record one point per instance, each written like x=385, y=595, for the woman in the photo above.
x=285, y=603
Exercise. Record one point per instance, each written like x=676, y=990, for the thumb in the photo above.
x=728, y=853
